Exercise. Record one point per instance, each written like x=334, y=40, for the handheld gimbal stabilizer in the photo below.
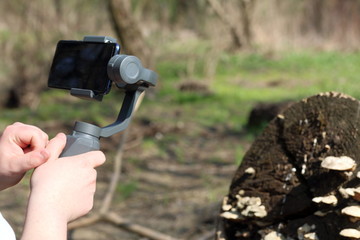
x=125, y=71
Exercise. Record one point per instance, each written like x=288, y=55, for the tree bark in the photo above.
x=246, y=9
x=274, y=188
x=128, y=31
x=220, y=12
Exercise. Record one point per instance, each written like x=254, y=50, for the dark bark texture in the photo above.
x=273, y=190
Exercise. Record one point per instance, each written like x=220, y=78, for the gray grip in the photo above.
x=79, y=144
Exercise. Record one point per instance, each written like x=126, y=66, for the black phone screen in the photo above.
x=78, y=64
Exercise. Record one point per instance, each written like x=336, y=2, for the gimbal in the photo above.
x=129, y=75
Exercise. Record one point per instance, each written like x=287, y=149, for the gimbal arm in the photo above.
x=128, y=73
x=125, y=114
x=86, y=136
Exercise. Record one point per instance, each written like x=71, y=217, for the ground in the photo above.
x=175, y=189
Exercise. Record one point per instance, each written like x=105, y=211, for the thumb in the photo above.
x=33, y=159
x=56, y=146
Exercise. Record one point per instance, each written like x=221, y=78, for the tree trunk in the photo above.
x=246, y=9
x=273, y=191
x=313, y=16
x=221, y=13
x=128, y=31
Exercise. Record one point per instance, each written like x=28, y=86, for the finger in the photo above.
x=27, y=136
x=32, y=160
x=56, y=146
x=94, y=158
x=30, y=135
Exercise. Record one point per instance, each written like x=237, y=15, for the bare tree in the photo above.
x=243, y=37
x=313, y=16
x=128, y=31
x=246, y=9
x=220, y=12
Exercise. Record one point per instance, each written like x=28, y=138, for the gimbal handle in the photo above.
x=81, y=141
x=86, y=136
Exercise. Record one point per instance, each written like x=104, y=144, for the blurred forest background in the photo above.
x=216, y=59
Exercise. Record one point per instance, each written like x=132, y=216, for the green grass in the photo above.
x=244, y=79
x=325, y=71
x=240, y=81
x=126, y=189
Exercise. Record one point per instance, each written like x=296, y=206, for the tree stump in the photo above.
x=263, y=113
x=285, y=189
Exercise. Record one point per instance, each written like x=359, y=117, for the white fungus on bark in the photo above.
x=225, y=205
x=280, y=116
x=273, y=236
x=353, y=212
x=330, y=200
x=230, y=215
x=250, y=171
x=350, y=233
x=350, y=192
x=251, y=206
x=311, y=236
x=342, y=163
x=245, y=207
x=304, y=231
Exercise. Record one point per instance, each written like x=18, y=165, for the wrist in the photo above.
x=43, y=221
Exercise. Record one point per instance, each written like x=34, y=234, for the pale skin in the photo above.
x=62, y=189
x=22, y=147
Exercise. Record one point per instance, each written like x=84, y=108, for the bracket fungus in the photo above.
x=350, y=233
x=342, y=163
x=251, y=206
x=305, y=232
x=353, y=212
x=250, y=171
x=225, y=205
x=311, y=236
x=230, y=215
x=330, y=200
x=273, y=236
x=353, y=192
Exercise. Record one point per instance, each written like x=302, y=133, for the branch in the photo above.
x=83, y=222
x=105, y=206
x=132, y=227
x=105, y=214
x=115, y=176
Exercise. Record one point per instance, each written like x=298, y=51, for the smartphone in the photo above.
x=82, y=65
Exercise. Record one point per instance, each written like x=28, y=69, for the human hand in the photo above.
x=65, y=186
x=22, y=147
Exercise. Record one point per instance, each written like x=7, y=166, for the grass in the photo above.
x=243, y=79
x=126, y=189
x=240, y=81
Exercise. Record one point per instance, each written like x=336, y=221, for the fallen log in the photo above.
x=300, y=179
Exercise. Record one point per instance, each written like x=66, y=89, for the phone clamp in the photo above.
x=87, y=93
